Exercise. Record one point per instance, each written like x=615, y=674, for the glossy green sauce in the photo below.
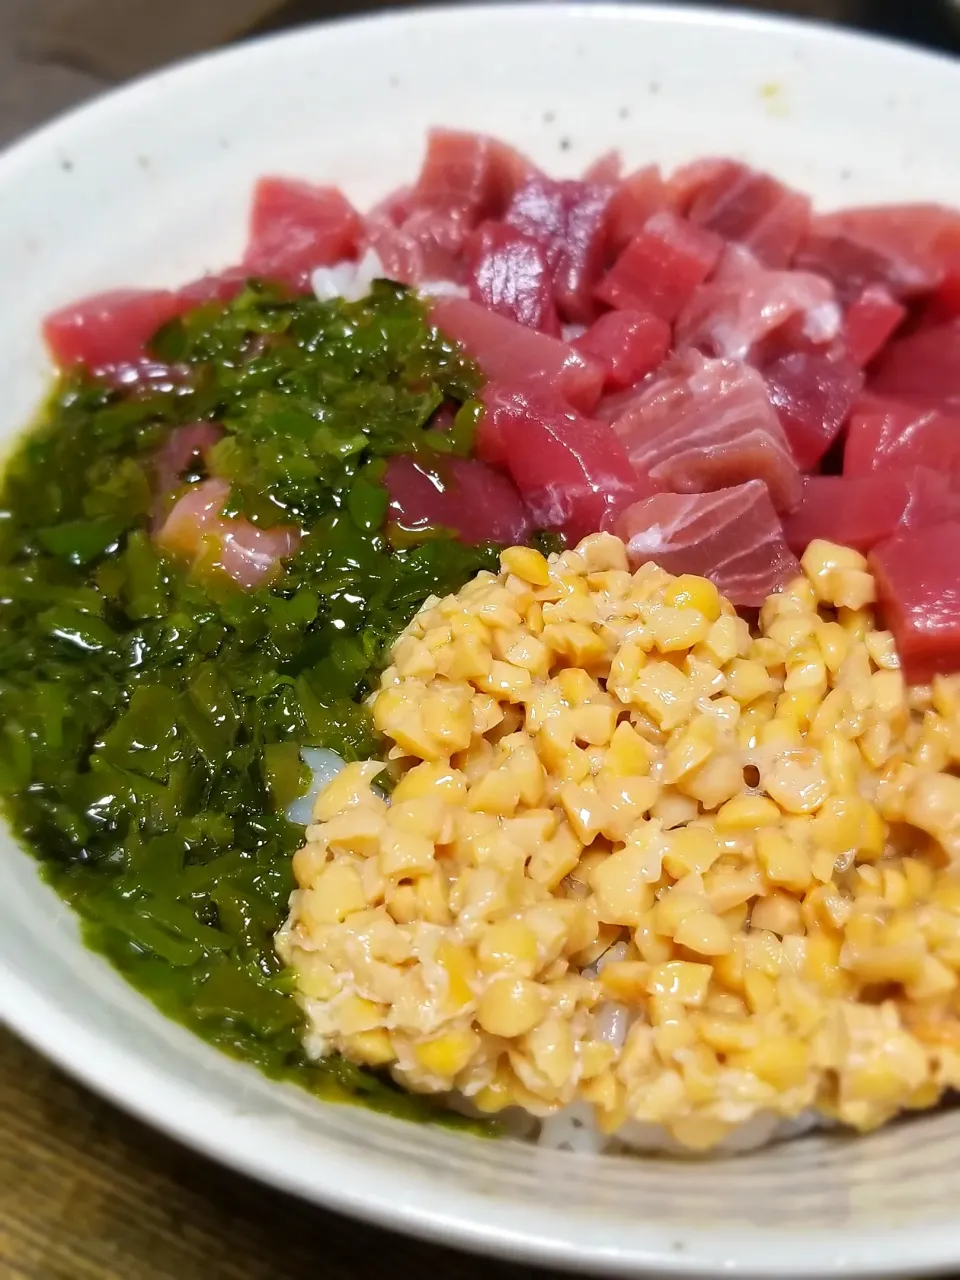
x=150, y=721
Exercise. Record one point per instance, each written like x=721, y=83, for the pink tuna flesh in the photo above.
x=732, y=536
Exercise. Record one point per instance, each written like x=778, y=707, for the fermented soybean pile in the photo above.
x=644, y=858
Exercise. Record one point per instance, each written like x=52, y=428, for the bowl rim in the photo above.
x=181, y=1111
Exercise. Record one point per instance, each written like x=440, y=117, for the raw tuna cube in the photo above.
x=924, y=367
x=183, y=448
x=752, y=209
x=732, y=536
x=854, y=511
x=510, y=353
x=398, y=252
x=870, y=322
x=436, y=238
x=478, y=503
x=109, y=329
x=569, y=219
x=892, y=435
x=745, y=302
x=418, y=243
x=629, y=345
x=638, y=197
x=606, y=168
x=197, y=531
x=383, y=233
x=509, y=273
x=860, y=511
x=894, y=246
x=426, y=247
x=661, y=267
x=945, y=303
x=708, y=424
x=222, y=286
x=572, y=472
x=470, y=172
x=685, y=184
x=812, y=395
x=295, y=227
x=924, y=237
x=499, y=413
x=916, y=575
x=395, y=207
x=197, y=513
x=253, y=557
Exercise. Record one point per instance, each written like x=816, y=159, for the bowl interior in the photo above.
x=150, y=186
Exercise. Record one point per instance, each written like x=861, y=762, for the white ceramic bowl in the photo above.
x=150, y=185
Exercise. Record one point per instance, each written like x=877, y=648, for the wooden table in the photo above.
x=86, y=1193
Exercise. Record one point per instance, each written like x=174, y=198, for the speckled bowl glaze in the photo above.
x=150, y=185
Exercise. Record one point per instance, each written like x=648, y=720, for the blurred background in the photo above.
x=54, y=53
x=86, y=1193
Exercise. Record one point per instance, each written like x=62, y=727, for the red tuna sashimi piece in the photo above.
x=629, y=345
x=400, y=254
x=732, y=536
x=435, y=239
x=478, y=503
x=296, y=227
x=812, y=395
x=499, y=415
x=892, y=435
x=183, y=448
x=195, y=515
x=509, y=273
x=945, y=303
x=870, y=322
x=860, y=511
x=917, y=587
x=569, y=220
x=109, y=329
x=922, y=237
x=221, y=286
x=395, y=207
x=925, y=367
x=427, y=246
x=708, y=424
x=252, y=556
x=660, y=268
x=745, y=302
x=510, y=353
x=571, y=470
x=752, y=209
x=894, y=246
x=470, y=172
x=466, y=178
x=197, y=527
x=685, y=184
x=606, y=168
x=638, y=197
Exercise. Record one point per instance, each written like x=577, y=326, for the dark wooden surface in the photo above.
x=86, y=1193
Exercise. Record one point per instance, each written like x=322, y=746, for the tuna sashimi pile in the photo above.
x=697, y=361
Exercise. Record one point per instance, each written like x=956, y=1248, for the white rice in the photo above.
x=442, y=289
x=349, y=280
x=325, y=765
x=574, y=1129
x=354, y=280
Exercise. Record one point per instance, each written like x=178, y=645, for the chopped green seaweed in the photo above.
x=151, y=721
